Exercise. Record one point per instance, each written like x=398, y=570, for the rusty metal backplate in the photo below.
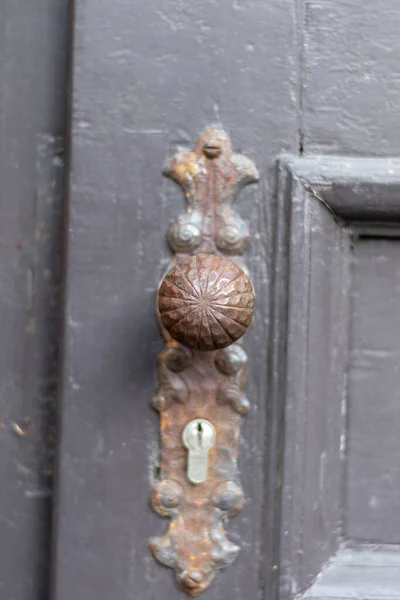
x=205, y=306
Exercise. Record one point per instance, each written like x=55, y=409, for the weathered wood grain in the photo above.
x=371, y=572
x=313, y=387
x=33, y=53
x=340, y=475
x=350, y=80
x=301, y=76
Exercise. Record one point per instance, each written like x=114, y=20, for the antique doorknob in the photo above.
x=206, y=302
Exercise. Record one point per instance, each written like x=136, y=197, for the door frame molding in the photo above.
x=324, y=203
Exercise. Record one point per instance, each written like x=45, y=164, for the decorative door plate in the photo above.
x=205, y=305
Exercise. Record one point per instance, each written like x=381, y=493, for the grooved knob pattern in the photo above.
x=206, y=302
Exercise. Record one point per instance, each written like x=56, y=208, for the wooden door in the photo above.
x=309, y=91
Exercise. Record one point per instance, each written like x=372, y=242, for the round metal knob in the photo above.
x=206, y=302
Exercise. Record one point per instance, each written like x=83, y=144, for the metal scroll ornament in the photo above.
x=205, y=305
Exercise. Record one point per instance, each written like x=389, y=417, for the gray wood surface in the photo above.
x=350, y=77
x=302, y=76
x=340, y=472
x=368, y=572
x=316, y=357
x=355, y=188
x=33, y=52
x=148, y=78
x=373, y=449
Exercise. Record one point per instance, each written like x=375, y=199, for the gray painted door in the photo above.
x=310, y=91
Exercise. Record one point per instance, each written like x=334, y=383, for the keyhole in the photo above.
x=198, y=437
x=200, y=434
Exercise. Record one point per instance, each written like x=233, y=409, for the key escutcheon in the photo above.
x=198, y=438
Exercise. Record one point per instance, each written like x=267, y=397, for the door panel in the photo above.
x=340, y=474
x=148, y=78
x=373, y=450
